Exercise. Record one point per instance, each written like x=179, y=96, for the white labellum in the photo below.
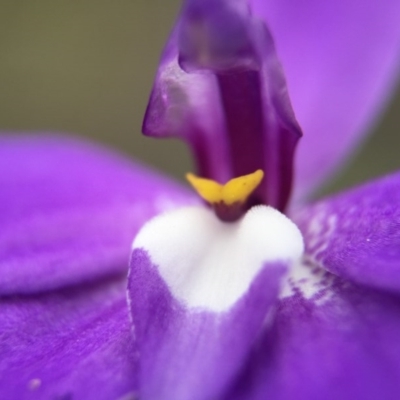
x=210, y=264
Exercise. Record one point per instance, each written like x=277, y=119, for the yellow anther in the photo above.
x=237, y=190
x=208, y=189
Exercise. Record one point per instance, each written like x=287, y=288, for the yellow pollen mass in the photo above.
x=237, y=190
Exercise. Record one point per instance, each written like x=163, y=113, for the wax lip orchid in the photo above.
x=246, y=303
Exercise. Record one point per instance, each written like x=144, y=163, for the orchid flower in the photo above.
x=248, y=294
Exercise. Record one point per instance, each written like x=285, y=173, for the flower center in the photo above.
x=230, y=200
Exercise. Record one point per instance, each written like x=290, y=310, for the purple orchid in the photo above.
x=213, y=309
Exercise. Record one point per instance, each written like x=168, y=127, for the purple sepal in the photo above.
x=193, y=353
x=345, y=346
x=74, y=343
x=69, y=211
x=223, y=91
x=357, y=234
x=341, y=61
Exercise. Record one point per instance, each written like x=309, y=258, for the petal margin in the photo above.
x=69, y=211
x=70, y=344
x=340, y=60
x=356, y=234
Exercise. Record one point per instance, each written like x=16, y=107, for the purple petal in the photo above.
x=223, y=91
x=188, y=353
x=69, y=211
x=344, y=347
x=340, y=59
x=71, y=344
x=357, y=234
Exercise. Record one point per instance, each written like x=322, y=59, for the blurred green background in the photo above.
x=86, y=67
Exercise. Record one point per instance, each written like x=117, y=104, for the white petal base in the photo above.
x=210, y=264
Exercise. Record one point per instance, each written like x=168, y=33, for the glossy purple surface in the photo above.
x=343, y=346
x=69, y=211
x=70, y=344
x=359, y=233
x=191, y=353
x=341, y=61
x=223, y=91
x=341, y=341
